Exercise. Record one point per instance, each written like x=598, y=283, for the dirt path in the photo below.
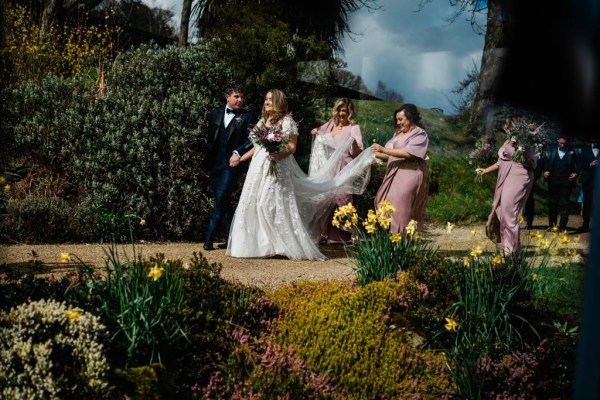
x=265, y=273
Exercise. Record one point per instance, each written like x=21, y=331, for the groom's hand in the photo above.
x=234, y=160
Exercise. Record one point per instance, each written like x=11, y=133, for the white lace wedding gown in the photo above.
x=282, y=214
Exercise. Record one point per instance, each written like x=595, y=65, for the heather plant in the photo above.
x=134, y=297
x=212, y=309
x=377, y=254
x=350, y=333
x=52, y=351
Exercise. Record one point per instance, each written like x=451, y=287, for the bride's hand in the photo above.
x=280, y=155
x=479, y=171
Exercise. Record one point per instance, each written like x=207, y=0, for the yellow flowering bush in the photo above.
x=67, y=50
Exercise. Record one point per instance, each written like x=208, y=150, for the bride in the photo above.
x=281, y=209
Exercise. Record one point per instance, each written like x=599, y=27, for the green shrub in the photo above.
x=38, y=219
x=348, y=332
x=51, y=351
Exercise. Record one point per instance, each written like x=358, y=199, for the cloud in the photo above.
x=419, y=54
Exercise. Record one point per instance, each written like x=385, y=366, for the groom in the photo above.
x=227, y=135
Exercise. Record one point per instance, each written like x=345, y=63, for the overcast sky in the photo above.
x=418, y=54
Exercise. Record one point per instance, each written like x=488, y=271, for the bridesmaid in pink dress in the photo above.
x=406, y=181
x=515, y=181
x=336, y=132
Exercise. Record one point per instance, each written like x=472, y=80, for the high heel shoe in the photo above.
x=324, y=239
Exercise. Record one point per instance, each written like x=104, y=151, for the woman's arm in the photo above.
x=381, y=152
x=248, y=155
x=357, y=146
x=483, y=171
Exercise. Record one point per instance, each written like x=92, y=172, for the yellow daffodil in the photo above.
x=155, y=272
x=451, y=324
x=520, y=218
x=384, y=222
x=7, y=188
x=417, y=236
x=347, y=224
x=539, y=235
x=553, y=251
x=571, y=252
x=65, y=257
x=476, y=251
x=545, y=243
x=354, y=219
x=395, y=238
x=142, y=222
x=534, y=276
x=72, y=315
x=473, y=232
x=555, y=228
x=370, y=228
x=411, y=228
x=186, y=266
x=449, y=227
x=497, y=259
x=532, y=234
x=564, y=239
x=2, y=180
x=467, y=262
x=335, y=222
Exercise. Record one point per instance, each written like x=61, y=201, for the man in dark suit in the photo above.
x=227, y=139
x=588, y=161
x=560, y=172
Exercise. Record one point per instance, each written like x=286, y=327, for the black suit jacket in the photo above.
x=238, y=137
x=551, y=163
x=586, y=173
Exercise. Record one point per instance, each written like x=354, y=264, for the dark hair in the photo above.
x=234, y=87
x=410, y=112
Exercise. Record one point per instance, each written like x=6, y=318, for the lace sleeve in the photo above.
x=288, y=126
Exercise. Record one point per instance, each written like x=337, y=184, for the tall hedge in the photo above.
x=136, y=148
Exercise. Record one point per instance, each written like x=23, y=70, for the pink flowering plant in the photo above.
x=524, y=135
x=272, y=138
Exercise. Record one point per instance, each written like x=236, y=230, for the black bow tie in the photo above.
x=230, y=111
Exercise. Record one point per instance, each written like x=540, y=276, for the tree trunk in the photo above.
x=51, y=12
x=495, y=51
x=185, y=22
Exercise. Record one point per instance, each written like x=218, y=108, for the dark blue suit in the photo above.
x=559, y=185
x=221, y=143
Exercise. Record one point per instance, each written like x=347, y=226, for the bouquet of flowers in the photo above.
x=524, y=135
x=483, y=155
x=272, y=138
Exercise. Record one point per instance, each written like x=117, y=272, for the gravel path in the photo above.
x=265, y=273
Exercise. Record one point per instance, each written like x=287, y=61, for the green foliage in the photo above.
x=212, y=307
x=482, y=322
x=51, y=351
x=37, y=219
x=134, y=298
x=559, y=290
x=453, y=193
x=348, y=332
x=376, y=253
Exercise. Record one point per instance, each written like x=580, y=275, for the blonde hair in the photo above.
x=344, y=101
x=280, y=106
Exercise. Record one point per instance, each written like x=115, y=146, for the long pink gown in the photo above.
x=406, y=181
x=512, y=188
x=333, y=142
